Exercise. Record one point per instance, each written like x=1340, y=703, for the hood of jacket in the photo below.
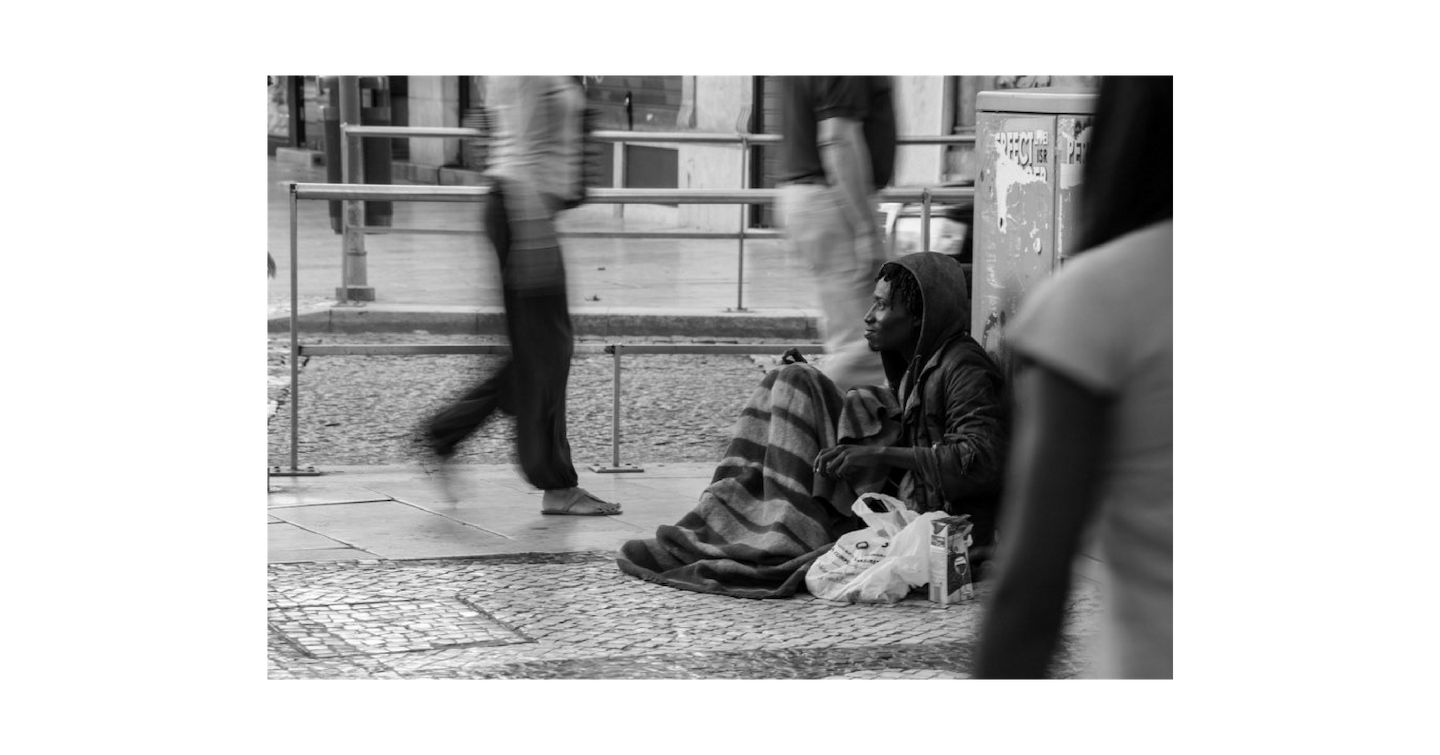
x=947, y=311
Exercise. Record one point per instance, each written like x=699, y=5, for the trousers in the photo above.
x=844, y=267
x=531, y=384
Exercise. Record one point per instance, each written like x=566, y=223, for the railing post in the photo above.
x=294, y=331
x=267, y=355
x=352, y=219
x=619, y=161
x=293, y=143
x=615, y=465
x=744, y=184
x=925, y=220
x=294, y=340
x=615, y=413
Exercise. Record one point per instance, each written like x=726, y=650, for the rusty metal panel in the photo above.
x=1072, y=140
x=1032, y=147
x=1014, y=219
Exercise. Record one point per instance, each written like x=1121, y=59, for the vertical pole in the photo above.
x=267, y=382
x=615, y=349
x=293, y=121
x=615, y=413
x=619, y=162
x=295, y=94
x=294, y=332
x=744, y=184
x=352, y=172
x=925, y=220
x=342, y=294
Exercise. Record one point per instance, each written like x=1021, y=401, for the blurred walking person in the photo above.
x=536, y=171
x=838, y=150
x=1092, y=450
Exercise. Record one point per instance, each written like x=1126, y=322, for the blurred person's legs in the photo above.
x=531, y=384
x=541, y=345
x=460, y=420
x=815, y=225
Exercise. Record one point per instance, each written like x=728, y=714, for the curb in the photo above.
x=796, y=324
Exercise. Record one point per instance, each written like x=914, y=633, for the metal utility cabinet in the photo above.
x=1032, y=144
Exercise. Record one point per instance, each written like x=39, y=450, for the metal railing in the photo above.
x=619, y=139
x=314, y=191
x=615, y=349
x=354, y=192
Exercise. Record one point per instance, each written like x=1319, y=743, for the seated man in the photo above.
x=933, y=437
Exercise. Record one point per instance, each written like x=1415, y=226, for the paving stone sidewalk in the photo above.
x=547, y=615
x=576, y=616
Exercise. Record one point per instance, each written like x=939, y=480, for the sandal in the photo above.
x=578, y=502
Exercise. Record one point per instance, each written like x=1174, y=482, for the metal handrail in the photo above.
x=615, y=349
x=744, y=196
x=599, y=196
x=924, y=195
x=759, y=233
x=676, y=137
x=605, y=196
x=477, y=193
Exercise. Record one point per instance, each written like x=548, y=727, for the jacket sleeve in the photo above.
x=969, y=459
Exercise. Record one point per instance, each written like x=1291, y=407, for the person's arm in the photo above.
x=846, y=161
x=1051, y=493
x=969, y=458
x=846, y=461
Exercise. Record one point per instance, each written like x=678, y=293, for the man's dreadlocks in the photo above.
x=903, y=288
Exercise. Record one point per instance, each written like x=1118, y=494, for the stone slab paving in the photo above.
x=576, y=616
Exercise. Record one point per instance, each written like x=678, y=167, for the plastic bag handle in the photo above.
x=882, y=519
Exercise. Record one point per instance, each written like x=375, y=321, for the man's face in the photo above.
x=889, y=325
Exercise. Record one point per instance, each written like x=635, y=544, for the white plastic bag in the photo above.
x=879, y=564
x=882, y=511
x=907, y=561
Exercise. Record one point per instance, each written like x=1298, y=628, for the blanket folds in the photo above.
x=766, y=516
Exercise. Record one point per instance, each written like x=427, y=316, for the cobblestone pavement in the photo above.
x=365, y=409
x=567, y=616
x=576, y=616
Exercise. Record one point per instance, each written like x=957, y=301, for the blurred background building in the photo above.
x=925, y=105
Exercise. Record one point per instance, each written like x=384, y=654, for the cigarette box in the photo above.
x=950, y=578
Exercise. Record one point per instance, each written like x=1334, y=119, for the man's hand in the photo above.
x=846, y=461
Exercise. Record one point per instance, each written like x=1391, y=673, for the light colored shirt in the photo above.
x=538, y=133
x=1105, y=322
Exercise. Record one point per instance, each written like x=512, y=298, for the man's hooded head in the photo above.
x=944, y=306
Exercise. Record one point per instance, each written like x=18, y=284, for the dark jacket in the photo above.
x=953, y=411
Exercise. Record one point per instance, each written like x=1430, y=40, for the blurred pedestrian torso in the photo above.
x=538, y=133
x=811, y=99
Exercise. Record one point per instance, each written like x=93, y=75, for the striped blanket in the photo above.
x=766, y=516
